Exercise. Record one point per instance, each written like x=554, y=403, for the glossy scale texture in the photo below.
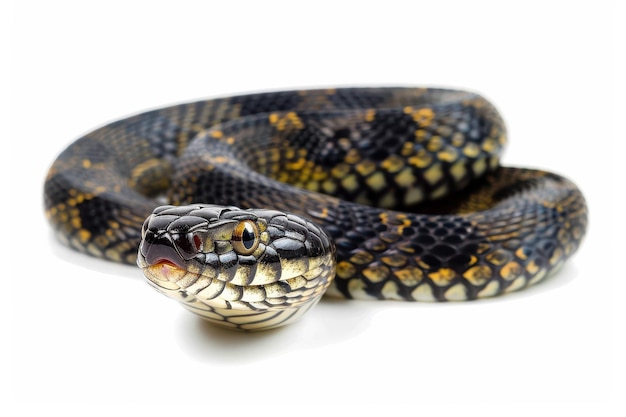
x=405, y=181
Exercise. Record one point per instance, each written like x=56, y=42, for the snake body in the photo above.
x=402, y=186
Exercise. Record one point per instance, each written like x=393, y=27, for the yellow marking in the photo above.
x=423, y=117
x=471, y=150
x=532, y=268
x=296, y=165
x=479, y=166
x=433, y=174
x=407, y=149
x=458, y=139
x=405, y=223
x=282, y=177
x=289, y=120
x=434, y=144
x=395, y=260
x=521, y=254
x=365, y=168
x=421, y=160
x=220, y=160
x=273, y=155
x=318, y=174
x=340, y=170
x=76, y=222
x=444, y=131
x=217, y=134
x=390, y=237
x=563, y=235
x=478, y=275
x=511, y=271
x=504, y=236
x=376, y=273
x=409, y=276
x=414, y=195
x=329, y=187
x=393, y=164
x=458, y=170
x=362, y=257
x=440, y=192
x=343, y=142
x=449, y=154
x=230, y=140
x=376, y=181
x=352, y=157
x=84, y=235
x=101, y=241
x=494, y=161
x=86, y=163
x=350, y=183
x=490, y=145
x=420, y=135
x=370, y=114
x=442, y=277
x=498, y=257
x=290, y=153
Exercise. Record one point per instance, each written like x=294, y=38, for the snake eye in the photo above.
x=245, y=237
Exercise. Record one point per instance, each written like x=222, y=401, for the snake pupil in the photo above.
x=248, y=237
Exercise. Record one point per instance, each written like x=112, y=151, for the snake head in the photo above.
x=245, y=269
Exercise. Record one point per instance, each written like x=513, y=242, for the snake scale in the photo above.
x=247, y=209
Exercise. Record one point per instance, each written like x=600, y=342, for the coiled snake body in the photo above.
x=396, y=193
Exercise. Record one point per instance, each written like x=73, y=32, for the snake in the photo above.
x=248, y=209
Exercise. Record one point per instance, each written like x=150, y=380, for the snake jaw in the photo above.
x=247, y=269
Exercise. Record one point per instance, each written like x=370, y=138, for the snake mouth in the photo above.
x=165, y=274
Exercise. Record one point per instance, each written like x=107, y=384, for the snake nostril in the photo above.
x=161, y=250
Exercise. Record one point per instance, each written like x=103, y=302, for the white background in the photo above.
x=88, y=337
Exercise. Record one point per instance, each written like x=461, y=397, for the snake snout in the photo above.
x=160, y=249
